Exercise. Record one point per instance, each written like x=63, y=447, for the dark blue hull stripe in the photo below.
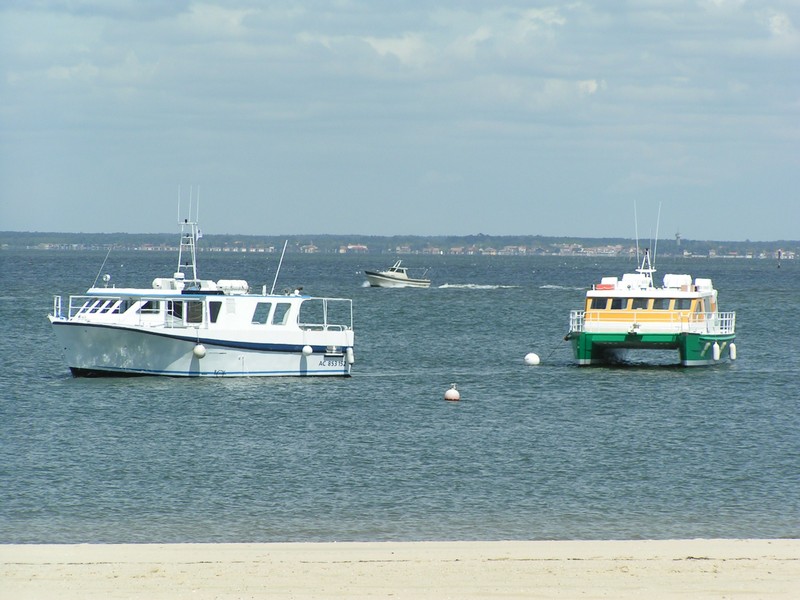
x=113, y=372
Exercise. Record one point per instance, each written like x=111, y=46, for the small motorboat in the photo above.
x=395, y=276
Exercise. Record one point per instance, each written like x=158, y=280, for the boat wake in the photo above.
x=550, y=286
x=476, y=286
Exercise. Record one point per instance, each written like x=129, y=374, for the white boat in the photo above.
x=395, y=276
x=632, y=313
x=188, y=327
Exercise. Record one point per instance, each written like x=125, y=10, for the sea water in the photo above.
x=554, y=451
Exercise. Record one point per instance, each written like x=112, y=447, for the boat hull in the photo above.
x=92, y=349
x=377, y=279
x=694, y=349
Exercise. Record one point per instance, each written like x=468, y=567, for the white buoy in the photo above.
x=351, y=358
x=199, y=350
x=531, y=358
x=732, y=351
x=307, y=350
x=452, y=394
x=715, y=351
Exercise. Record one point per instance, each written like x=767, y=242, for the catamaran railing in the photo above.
x=722, y=323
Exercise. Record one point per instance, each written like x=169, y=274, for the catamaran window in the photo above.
x=619, y=303
x=683, y=303
x=281, y=314
x=661, y=304
x=598, y=304
x=194, y=312
x=261, y=313
x=638, y=303
x=213, y=310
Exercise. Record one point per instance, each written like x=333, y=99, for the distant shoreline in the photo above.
x=478, y=245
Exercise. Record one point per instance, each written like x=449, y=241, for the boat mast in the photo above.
x=187, y=252
x=277, y=272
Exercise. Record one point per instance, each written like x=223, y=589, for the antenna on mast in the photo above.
x=655, y=245
x=636, y=230
x=190, y=233
x=645, y=267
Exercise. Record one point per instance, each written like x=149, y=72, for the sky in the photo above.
x=589, y=118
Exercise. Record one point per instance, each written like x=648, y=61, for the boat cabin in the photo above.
x=224, y=304
x=633, y=299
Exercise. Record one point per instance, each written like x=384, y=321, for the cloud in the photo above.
x=409, y=49
x=590, y=86
x=780, y=26
x=302, y=95
x=210, y=21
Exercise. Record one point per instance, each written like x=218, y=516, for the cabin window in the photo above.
x=700, y=306
x=598, y=303
x=120, y=306
x=150, y=306
x=213, y=310
x=175, y=309
x=91, y=307
x=639, y=303
x=194, y=312
x=281, y=314
x=99, y=306
x=261, y=313
x=683, y=303
x=619, y=303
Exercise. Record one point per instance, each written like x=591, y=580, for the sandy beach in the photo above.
x=552, y=569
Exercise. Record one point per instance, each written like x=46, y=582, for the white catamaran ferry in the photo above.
x=632, y=313
x=188, y=327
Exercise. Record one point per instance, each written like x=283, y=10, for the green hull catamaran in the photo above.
x=632, y=314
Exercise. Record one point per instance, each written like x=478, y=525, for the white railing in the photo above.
x=79, y=305
x=723, y=323
x=343, y=312
x=576, y=321
x=332, y=314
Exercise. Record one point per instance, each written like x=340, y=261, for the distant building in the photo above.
x=353, y=249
